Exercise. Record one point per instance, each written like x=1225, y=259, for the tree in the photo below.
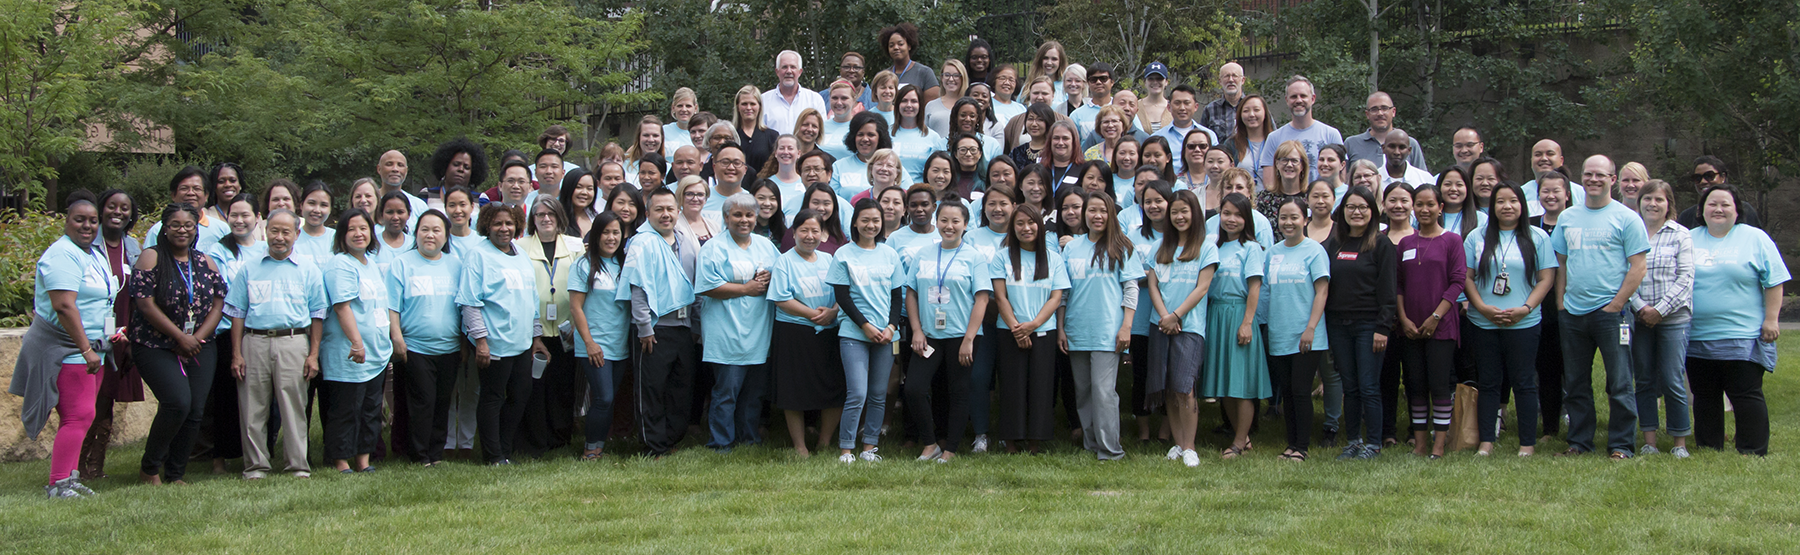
x=319, y=88
x=1192, y=37
x=55, y=57
x=1725, y=70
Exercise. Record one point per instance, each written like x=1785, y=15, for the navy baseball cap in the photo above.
x=1156, y=68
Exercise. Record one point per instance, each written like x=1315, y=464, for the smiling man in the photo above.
x=1371, y=144
x=783, y=103
x=1311, y=133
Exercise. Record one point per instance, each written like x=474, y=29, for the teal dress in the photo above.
x=1233, y=370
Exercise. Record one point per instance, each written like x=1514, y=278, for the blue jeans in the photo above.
x=866, y=367
x=736, y=407
x=1506, y=357
x=1582, y=335
x=603, y=387
x=1659, y=361
x=981, y=381
x=1358, y=364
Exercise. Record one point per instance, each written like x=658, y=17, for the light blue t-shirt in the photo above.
x=385, y=257
x=1026, y=294
x=913, y=149
x=1313, y=138
x=797, y=279
x=793, y=197
x=831, y=139
x=1453, y=221
x=736, y=330
x=1095, y=307
x=1730, y=274
x=65, y=267
x=1126, y=190
x=675, y=135
x=1510, y=259
x=985, y=241
x=362, y=286
x=1177, y=279
x=1288, y=285
x=1265, y=230
x=1238, y=262
x=872, y=275
x=608, y=319
x=961, y=272
x=908, y=242
x=1598, y=244
x=228, y=265
x=312, y=251
x=1145, y=248
x=849, y=176
x=504, y=287
x=272, y=294
x=423, y=294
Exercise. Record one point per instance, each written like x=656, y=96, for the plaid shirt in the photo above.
x=1669, y=271
x=1221, y=117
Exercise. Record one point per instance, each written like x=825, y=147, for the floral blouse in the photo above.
x=208, y=286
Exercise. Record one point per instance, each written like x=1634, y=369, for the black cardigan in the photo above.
x=1363, y=283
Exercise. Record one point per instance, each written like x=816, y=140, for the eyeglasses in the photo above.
x=1466, y=145
x=850, y=68
x=729, y=163
x=1293, y=161
x=1378, y=109
x=1356, y=208
x=1705, y=176
x=694, y=194
x=968, y=150
x=1100, y=78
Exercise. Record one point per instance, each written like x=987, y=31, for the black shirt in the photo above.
x=1362, y=283
x=758, y=146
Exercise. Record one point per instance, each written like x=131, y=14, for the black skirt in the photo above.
x=808, y=374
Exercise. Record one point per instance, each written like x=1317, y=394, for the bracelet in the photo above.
x=1436, y=316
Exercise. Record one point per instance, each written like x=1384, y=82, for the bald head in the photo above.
x=1546, y=155
x=1597, y=177
x=1396, y=147
x=392, y=169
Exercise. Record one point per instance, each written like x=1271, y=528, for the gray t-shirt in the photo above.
x=1314, y=138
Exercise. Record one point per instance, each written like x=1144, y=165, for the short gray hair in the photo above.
x=798, y=61
x=741, y=200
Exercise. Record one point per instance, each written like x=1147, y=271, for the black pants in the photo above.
x=353, y=417
x=430, y=382
x=181, y=388
x=1390, y=387
x=505, y=385
x=1297, y=372
x=1741, y=381
x=920, y=375
x=1550, y=372
x=550, y=412
x=1026, y=388
x=219, y=436
x=1140, y=364
x=665, y=388
x=1430, y=381
x=1503, y=358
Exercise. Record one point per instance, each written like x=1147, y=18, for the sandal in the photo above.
x=1619, y=456
x=1231, y=452
x=592, y=454
x=1292, y=455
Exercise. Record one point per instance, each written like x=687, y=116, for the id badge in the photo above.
x=940, y=321
x=550, y=312
x=938, y=294
x=111, y=326
x=188, y=326
x=681, y=313
x=1502, y=285
x=1625, y=332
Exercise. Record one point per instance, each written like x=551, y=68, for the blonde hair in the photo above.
x=1076, y=70
x=884, y=77
x=960, y=69
x=636, y=152
x=1235, y=172
x=681, y=94
x=737, y=117
x=1637, y=168
x=1296, y=149
x=1111, y=110
x=682, y=186
x=885, y=154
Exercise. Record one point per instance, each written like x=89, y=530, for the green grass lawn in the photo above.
x=762, y=499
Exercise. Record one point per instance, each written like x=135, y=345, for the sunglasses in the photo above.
x=1704, y=176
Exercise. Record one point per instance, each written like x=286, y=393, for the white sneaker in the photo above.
x=1679, y=452
x=869, y=454
x=1648, y=449
x=981, y=444
x=847, y=458
x=1190, y=458
x=1174, y=452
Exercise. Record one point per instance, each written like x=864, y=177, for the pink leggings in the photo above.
x=75, y=404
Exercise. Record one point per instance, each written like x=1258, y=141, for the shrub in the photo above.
x=23, y=237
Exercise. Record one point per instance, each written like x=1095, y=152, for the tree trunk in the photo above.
x=1374, y=7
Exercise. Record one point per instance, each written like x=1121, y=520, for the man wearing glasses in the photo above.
x=850, y=68
x=1601, y=246
x=1369, y=145
x=1221, y=115
x=1709, y=171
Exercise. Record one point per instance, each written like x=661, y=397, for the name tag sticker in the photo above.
x=1410, y=254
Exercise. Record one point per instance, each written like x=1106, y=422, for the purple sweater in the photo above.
x=1431, y=271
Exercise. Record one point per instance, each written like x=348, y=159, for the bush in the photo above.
x=23, y=237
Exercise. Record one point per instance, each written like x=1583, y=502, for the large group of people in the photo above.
x=934, y=257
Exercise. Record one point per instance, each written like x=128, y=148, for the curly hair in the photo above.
x=440, y=160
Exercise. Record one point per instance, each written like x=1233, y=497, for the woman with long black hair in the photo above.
x=179, y=297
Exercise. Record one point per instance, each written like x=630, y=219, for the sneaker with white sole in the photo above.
x=73, y=484
x=54, y=491
x=1174, y=453
x=847, y=458
x=1351, y=450
x=1190, y=458
x=869, y=454
x=1648, y=449
x=981, y=444
x=1679, y=452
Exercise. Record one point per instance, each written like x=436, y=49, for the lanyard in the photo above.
x=550, y=269
x=1500, y=254
x=942, y=269
x=1054, y=184
x=105, y=271
x=185, y=271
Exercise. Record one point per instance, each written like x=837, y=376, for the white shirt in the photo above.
x=1414, y=176
x=779, y=114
